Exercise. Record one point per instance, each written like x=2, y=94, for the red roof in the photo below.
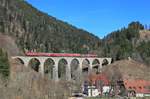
x=139, y=86
x=99, y=77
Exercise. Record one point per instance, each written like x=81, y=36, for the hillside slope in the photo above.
x=127, y=69
x=144, y=35
x=9, y=45
x=36, y=31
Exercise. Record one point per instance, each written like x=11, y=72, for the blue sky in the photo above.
x=99, y=17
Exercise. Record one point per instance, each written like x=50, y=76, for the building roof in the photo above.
x=100, y=77
x=139, y=86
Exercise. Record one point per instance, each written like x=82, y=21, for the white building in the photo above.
x=92, y=91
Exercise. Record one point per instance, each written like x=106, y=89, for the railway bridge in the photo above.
x=63, y=66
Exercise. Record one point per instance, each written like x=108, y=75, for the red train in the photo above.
x=59, y=54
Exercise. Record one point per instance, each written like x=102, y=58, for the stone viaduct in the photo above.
x=69, y=64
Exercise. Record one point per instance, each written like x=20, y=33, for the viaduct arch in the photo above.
x=66, y=68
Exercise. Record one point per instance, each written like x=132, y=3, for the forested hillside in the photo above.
x=128, y=42
x=24, y=28
x=33, y=30
x=37, y=31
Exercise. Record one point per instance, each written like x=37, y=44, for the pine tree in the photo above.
x=4, y=64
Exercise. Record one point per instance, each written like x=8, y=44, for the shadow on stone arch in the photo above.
x=18, y=61
x=75, y=69
x=85, y=67
x=18, y=65
x=62, y=66
x=95, y=66
x=34, y=64
x=48, y=68
x=105, y=62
